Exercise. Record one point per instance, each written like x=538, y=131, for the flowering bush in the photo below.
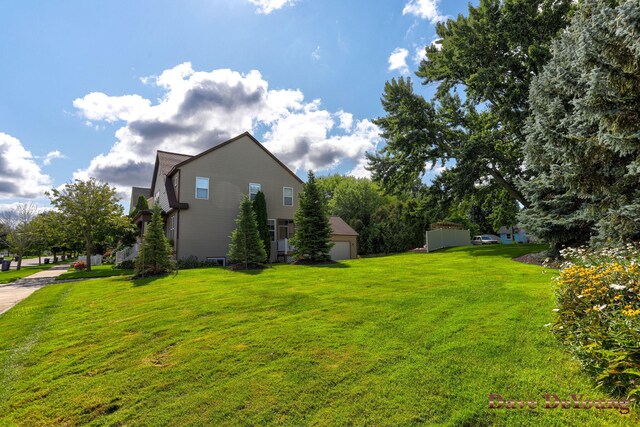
x=598, y=292
x=80, y=265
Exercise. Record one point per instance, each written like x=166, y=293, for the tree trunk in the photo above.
x=88, y=251
x=19, y=265
x=513, y=191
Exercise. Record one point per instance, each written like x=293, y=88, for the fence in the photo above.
x=95, y=259
x=438, y=239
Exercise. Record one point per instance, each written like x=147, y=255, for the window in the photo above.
x=217, y=261
x=287, y=196
x=508, y=236
x=172, y=227
x=253, y=190
x=175, y=181
x=272, y=229
x=202, y=188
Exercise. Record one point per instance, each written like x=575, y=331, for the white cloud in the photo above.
x=419, y=55
x=20, y=176
x=315, y=55
x=398, y=60
x=425, y=9
x=200, y=109
x=51, y=156
x=98, y=106
x=267, y=6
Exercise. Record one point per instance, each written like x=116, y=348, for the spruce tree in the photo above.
x=313, y=230
x=582, y=147
x=155, y=255
x=246, y=247
x=260, y=208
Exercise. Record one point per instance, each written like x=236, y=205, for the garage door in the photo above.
x=341, y=250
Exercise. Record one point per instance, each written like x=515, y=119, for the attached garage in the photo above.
x=345, y=240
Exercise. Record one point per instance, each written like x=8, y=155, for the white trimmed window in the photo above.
x=287, y=196
x=202, y=188
x=272, y=229
x=172, y=227
x=253, y=190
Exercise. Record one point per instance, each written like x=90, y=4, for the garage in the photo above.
x=340, y=250
x=344, y=238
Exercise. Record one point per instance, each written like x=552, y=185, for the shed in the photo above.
x=345, y=240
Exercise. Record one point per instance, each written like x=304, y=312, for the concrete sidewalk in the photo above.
x=15, y=292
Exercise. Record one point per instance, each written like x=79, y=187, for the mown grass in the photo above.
x=411, y=339
x=104, y=270
x=13, y=275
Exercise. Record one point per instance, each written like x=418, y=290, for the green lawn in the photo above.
x=13, y=275
x=411, y=339
x=104, y=270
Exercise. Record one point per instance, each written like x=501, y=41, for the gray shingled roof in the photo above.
x=341, y=228
x=135, y=193
x=169, y=160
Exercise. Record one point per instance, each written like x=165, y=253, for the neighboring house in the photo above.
x=200, y=197
x=512, y=235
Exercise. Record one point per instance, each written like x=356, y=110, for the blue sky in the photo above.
x=94, y=88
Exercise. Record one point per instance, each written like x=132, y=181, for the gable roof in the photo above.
x=215, y=147
x=341, y=228
x=137, y=192
x=165, y=161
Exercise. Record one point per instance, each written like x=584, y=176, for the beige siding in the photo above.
x=205, y=227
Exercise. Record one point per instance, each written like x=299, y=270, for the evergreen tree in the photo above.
x=313, y=230
x=260, y=208
x=583, y=143
x=155, y=255
x=141, y=205
x=246, y=246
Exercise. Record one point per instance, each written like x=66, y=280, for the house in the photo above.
x=512, y=234
x=200, y=197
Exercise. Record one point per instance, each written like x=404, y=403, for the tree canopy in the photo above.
x=583, y=141
x=92, y=211
x=491, y=55
x=154, y=257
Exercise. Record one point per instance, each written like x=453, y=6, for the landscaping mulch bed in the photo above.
x=539, y=258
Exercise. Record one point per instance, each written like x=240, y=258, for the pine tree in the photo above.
x=246, y=247
x=155, y=255
x=313, y=230
x=260, y=208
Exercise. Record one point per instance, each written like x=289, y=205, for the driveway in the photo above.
x=15, y=292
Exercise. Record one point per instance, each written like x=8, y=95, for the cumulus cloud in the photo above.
x=201, y=109
x=267, y=6
x=56, y=154
x=398, y=60
x=425, y=9
x=20, y=175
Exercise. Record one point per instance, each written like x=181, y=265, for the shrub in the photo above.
x=193, y=262
x=125, y=265
x=79, y=265
x=598, y=292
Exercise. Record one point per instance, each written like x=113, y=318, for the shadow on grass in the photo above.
x=503, y=251
x=149, y=279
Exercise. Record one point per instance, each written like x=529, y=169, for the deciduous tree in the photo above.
x=91, y=210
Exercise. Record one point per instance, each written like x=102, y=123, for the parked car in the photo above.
x=484, y=240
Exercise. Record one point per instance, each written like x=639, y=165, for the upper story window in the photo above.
x=287, y=196
x=172, y=227
x=202, y=188
x=253, y=190
x=175, y=181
